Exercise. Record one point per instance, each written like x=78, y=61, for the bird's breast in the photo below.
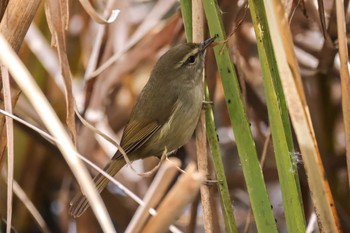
x=182, y=123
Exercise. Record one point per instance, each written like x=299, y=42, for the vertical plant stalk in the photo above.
x=201, y=139
x=186, y=12
x=10, y=153
x=264, y=22
x=344, y=76
x=260, y=203
x=300, y=116
x=21, y=14
x=263, y=156
x=57, y=16
x=202, y=161
x=226, y=204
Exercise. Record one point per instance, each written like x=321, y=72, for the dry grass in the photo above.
x=101, y=67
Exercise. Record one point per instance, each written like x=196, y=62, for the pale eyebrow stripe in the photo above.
x=193, y=52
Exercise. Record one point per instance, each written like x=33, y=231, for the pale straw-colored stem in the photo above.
x=184, y=191
x=201, y=139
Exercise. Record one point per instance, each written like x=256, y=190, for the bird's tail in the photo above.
x=79, y=203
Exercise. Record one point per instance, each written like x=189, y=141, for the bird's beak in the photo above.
x=206, y=43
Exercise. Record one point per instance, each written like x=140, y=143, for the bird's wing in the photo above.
x=137, y=132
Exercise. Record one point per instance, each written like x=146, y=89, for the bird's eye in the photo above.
x=191, y=59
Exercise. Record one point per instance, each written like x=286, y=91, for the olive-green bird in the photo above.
x=165, y=115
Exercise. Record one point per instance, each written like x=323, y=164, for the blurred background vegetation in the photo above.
x=143, y=30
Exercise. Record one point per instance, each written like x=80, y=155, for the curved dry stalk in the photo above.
x=126, y=158
x=95, y=16
x=158, y=11
x=93, y=59
x=26, y=82
x=57, y=16
x=128, y=192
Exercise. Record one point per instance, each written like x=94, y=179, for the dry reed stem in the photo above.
x=344, y=76
x=14, y=24
x=95, y=16
x=27, y=84
x=184, y=191
x=154, y=194
x=158, y=11
x=16, y=21
x=95, y=52
x=301, y=119
x=57, y=15
x=10, y=148
x=51, y=139
x=201, y=139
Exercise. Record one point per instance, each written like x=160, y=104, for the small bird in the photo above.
x=165, y=115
